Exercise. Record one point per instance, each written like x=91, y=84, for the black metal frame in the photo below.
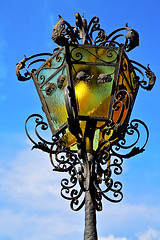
x=90, y=172
x=73, y=61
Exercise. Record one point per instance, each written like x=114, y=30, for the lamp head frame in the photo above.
x=111, y=150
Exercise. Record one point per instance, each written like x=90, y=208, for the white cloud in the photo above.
x=30, y=203
x=151, y=234
x=111, y=237
x=28, y=180
x=33, y=226
x=29, y=173
x=127, y=214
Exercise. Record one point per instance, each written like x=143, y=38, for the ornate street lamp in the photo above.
x=87, y=92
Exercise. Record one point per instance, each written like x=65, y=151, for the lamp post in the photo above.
x=87, y=91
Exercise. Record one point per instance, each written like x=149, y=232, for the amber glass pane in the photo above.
x=93, y=99
x=93, y=72
x=125, y=95
x=126, y=91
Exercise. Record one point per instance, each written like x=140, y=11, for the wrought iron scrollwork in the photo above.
x=110, y=157
x=149, y=74
x=77, y=56
x=127, y=147
x=72, y=186
x=22, y=64
x=108, y=160
x=92, y=34
x=107, y=165
x=37, y=140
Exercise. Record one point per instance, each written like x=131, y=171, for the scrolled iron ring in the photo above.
x=42, y=77
x=100, y=36
x=39, y=123
x=109, y=53
x=75, y=202
x=57, y=148
x=120, y=104
x=68, y=184
x=94, y=27
x=67, y=190
x=131, y=130
x=60, y=59
x=64, y=160
x=117, y=186
x=122, y=144
x=117, y=194
x=117, y=165
x=39, y=119
x=44, y=126
x=78, y=55
x=135, y=123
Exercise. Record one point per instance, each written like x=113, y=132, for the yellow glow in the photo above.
x=83, y=95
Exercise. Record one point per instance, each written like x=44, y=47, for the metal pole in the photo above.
x=90, y=232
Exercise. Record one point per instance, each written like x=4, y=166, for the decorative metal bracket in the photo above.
x=22, y=64
x=149, y=74
x=108, y=160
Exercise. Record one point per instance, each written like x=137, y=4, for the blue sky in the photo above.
x=31, y=207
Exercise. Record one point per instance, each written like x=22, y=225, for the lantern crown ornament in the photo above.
x=92, y=34
x=87, y=88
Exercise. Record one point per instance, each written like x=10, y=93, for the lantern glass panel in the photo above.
x=126, y=89
x=50, y=81
x=94, y=71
